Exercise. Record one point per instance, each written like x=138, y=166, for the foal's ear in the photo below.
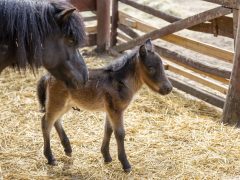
x=149, y=46
x=142, y=51
x=63, y=15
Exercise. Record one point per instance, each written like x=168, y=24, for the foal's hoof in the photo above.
x=128, y=170
x=69, y=154
x=108, y=160
x=52, y=163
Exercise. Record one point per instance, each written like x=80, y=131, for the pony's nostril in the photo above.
x=166, y=89
x=74, y=83
x=169, y=88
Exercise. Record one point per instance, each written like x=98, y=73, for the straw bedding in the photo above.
x=167, y=137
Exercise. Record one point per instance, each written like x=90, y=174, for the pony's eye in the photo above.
x=70, y=41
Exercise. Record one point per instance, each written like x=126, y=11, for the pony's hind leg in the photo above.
x=63, y=137
x=106, y=141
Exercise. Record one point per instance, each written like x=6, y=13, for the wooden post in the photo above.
x=84, y=5
x=114, y=22
x=103, y=25
x=235, y=24
x=231, y=110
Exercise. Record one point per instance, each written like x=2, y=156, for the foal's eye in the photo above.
x=151, y=70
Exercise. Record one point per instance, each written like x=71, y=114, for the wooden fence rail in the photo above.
x=223, y=24
x=176, y=26
x=188, y=43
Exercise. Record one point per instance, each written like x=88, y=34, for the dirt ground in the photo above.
x=167, y=137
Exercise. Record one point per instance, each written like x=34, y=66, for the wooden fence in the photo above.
x=125, y=35
x=98, y=34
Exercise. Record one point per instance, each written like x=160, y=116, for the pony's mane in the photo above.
x=123, y=61
x=25, y=24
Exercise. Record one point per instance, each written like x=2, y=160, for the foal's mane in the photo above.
x=123, y=61
x=25, y=24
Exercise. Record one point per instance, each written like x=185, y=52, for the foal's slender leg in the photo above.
x=63, y=137
x=106, y=141
x=46, y=130
x=119, y=132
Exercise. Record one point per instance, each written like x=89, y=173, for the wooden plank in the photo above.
x=90, y=18
x=226, y=3
x=231, y=111
x=176, y=26
x=103, y=26
x=215, y=73
x=84, y=5
x=152, y=11
x=91, y=40
x=91, y=28
x=196, y=77
x=114, y=23
x=197, y=92
x=200, y=47
x=128, y=31
x=224, y=26
x=223, y=23
x=225, y=81
x=123, y=36
x=194, y=45
x=120, y=40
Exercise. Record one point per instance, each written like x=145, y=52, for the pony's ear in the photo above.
x=142, y=51
x=149, y=46
x=63, y=15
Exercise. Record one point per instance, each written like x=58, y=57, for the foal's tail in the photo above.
x=41, y=92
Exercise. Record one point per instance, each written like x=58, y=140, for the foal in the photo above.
x=109, y=89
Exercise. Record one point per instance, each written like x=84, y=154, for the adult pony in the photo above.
x=45, y=33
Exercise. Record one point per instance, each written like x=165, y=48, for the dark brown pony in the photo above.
x=36, y=33
x=109, y=89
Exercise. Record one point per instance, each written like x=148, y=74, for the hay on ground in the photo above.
x=167, y=137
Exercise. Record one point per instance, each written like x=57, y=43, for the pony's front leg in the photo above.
x=46, y=130
x=106, y=141
x=119, y=132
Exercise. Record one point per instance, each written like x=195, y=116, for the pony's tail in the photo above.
x=41, y=92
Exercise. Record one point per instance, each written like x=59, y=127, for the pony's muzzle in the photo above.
x=75, y=84
x=166, y=88
x=81, y=80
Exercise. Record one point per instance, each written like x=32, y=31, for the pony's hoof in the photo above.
x=108, y=160
x=52, y=163
x=128, y=170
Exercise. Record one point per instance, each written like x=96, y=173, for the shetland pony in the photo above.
x=109, y=89
x=36, y=33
